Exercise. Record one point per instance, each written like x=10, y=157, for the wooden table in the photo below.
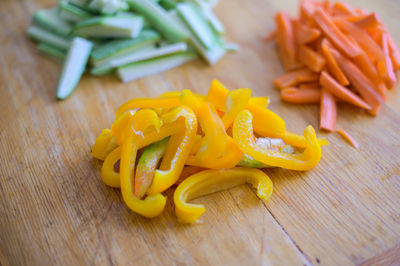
x=56, y=210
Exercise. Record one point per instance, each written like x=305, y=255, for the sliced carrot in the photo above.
x=362, y=39
x=332, y=65
x=326, y=24
x=271, y=36
x=307, y=8
x=360, y=82
x=300, y=96
x=366, y=66
x=331, y=85
x=327, y=6
x=285, y=40
x=305, y=34
x=310, y=85
x=390, y=76
x=348, y=138
x=328, y=111
x=310, y=58
x=394, y=53
x=382, y=89
x=343, y=8
x=369, y=21
x=295, y=77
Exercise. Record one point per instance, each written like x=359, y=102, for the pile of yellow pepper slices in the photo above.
x=231, y=133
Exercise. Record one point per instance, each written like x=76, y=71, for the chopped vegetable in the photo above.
x=348, y=137
x=183, y=128
x=300, y=96
x=132, y=38
x=286, y=40
x=328, y=111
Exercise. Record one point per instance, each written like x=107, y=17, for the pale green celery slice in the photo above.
x=50, y=19
x=110, y=27
x=210, y=55
x=135, y=57
x=72, y=12
x=160, y=20
x=42, y=35
x=51, y=50
x=74, y=66
x=196, y=22
x=120, y=47
x=153, y=66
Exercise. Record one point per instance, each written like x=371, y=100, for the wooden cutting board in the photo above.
x=56, y=210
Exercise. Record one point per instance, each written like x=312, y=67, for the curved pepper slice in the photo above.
x=189, y=99
x=120, y=124
x=266, y=123
x=147, y=165
x=109, y=175
x=166, y=102
x=151, y=206
x=229, y=159
x=210, y=181
x=177, y=150
x=103, y=145
x=235, y=102
x=243, y=136
x=300, y=141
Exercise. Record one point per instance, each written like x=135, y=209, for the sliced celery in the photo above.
x=50, y=19
x=117, y=26
x=160, y=19
x=74, y=66
x=42, y=35
x=72, y=13
x=124, y=46
x=51, y=50
x=153, y=66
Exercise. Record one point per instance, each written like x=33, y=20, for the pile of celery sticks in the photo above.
x=132, y=38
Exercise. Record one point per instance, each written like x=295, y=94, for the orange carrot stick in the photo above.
x=295, y=77
x=369, y=21
x=348, y=138
x=343, y=8
x=331, y=85
x=382, y=89
x=362, y=39
x=390, y=76
x=326, y=24
x=310, y=58
x=285, y=40
x=366, y=66
x=305, y=34
x=293, y=95
x=394, y=53
x=310, y=85
x=271, y=36
x=307, y=8
x=360, y=82
x=332, y=65
x=328, y=111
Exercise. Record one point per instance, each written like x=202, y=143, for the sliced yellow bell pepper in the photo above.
x=166, y=102
x=266, y=123
x=120, y=124
x=243, y=136
x=109, y=175
x=300, y=141
x=235, y=102
x=177, y=151
x=189, y=99
x=153, y=205
x=103, y=145
x=210, y=181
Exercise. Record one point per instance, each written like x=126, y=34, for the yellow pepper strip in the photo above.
x=235, y=102
x=146, y=166
x=243, y=136
x=151, y=206
x=148, y=103
x=210, y=181
x=266, y=123
x=197, y=144
x=261, y=101
x=215, y=138
x=120, y=124
x=177, y=150
x=109, y=175
x=103, y=145
x=229, y=159
x=300, y=141
x=170, y=94
x=189, y=99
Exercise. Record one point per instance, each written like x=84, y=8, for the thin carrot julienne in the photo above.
x=369, y=21
x=285, y=40
x=305, y=34
x=310, y=58
x=332, y=65
x=295, y=77
x=328, y=112
x=348, y=137
x=300, y=96
x=390, y=76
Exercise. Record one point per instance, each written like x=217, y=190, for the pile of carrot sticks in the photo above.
x=335, y=53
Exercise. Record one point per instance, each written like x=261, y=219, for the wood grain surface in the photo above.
x=55, y=210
